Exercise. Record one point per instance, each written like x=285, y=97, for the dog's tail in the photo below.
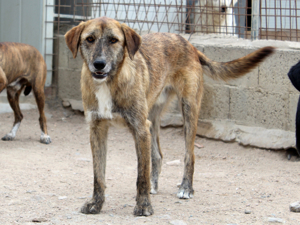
x=236, y=68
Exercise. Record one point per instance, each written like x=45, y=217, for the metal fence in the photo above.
x=256, y=19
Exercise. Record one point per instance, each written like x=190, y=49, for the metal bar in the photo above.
x=74, y=10
x=255, y=20
x=281, y=18
x=296, y=13
x=58, y=18
x=291, y=35
x=266, y=19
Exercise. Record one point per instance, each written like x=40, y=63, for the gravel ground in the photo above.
x=50, y=183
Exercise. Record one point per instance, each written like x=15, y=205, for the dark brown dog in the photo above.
x=22, y=66
x=132, y=79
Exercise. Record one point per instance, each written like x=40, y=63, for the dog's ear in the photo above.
x=132, y=40
x=72, y=38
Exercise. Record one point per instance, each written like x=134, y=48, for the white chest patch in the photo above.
x=105, y=104
x=104, y=98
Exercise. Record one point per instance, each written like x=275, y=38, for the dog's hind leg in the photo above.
x=98, y=140
x=40, y=101
x=156, y=154
x=190, y=117
x=190, y=100
x=162, y=103
x=13, y=99
x=3, y=80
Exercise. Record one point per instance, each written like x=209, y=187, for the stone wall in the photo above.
x=264, y=99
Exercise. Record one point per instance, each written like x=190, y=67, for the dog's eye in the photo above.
x=90, y=39
x=113, y=40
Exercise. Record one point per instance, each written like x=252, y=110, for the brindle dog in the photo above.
x=22, y=67
x=132, y=79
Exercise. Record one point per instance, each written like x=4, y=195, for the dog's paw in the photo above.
x=154, y=188
x=185, y=193
x=143, y=206
x=153, y=191
x=45, y=139
x=8, y=137
x=91, y=207
x=143, y=210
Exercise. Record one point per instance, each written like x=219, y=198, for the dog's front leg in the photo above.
x=142, y=137
x=98, y=139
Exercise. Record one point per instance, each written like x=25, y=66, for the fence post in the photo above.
x=255, y=19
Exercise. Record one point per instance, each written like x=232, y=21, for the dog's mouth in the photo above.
x=99, y=75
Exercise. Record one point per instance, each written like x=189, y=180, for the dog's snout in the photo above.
x=100, y=64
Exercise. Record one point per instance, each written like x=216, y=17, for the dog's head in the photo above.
x=103, y=43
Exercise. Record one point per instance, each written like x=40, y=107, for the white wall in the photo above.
x=22, y=21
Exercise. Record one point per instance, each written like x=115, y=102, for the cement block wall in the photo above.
x=263, y=98
x=69, y=70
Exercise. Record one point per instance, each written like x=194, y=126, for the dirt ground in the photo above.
x=49, y=183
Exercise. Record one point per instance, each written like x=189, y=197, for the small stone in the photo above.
x=295, y=207
x=84, y=159
x=173, y=163
x=39, y=220
x=83, y=197
x=165, y=217
x=178, y=222
x=76, y=104
x=37, y=198
x=247, y=211
x=66, y=104
x=198, y=145
x=14, y=202
x=275, y=220
x=62, y=197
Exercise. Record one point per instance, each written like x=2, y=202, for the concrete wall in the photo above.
x=69, y=70
x=263, y=98
x=22, y=21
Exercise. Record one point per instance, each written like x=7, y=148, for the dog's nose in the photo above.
x=99, y=65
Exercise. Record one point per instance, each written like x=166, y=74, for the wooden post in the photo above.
x=255, y=19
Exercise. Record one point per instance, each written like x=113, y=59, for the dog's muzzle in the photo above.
x=99, y=75
x=99, y=65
